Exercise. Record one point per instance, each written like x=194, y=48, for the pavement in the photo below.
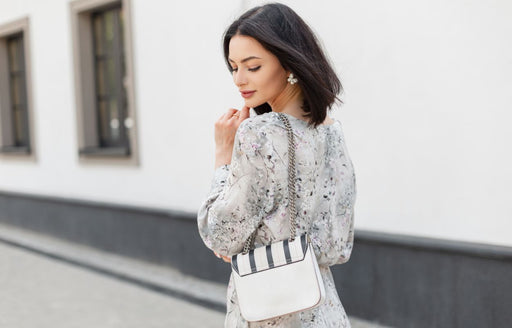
x=37, y=291
x=49, y=283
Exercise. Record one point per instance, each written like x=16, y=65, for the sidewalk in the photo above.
x=48, y=283
x=38, y=291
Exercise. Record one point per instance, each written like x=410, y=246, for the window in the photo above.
x=109, y=68
x=103, y=75
x=14, y=96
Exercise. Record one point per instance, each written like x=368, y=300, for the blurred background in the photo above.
x=106, y=153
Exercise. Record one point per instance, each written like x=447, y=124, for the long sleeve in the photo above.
x=332, y=240
x=239, y=195
x=332, y=231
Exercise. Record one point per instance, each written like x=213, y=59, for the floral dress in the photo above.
x=251, y=193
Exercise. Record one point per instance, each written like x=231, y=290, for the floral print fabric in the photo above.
x=252, y=193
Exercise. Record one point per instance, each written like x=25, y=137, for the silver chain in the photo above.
x=291, y=185
x=291, y=176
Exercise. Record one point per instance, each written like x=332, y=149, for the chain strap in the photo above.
x=291, y=176
x=291, y=186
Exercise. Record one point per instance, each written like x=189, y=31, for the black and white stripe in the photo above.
x=270, y=256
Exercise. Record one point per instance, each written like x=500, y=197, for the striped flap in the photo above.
x=270, y=256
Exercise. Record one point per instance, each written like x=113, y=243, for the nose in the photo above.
x=240, y=78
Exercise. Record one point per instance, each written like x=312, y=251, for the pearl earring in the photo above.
x=292, y=79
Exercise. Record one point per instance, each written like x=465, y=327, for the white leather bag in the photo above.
x=283, y=277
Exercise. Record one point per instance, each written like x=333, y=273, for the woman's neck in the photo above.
x=289, y=101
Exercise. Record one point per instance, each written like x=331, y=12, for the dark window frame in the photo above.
x=18, y=93
x=16, y=128
x=93, y=147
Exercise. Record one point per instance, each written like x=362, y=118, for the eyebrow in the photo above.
x=245, y=59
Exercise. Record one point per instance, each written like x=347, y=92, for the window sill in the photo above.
x=105, y=152
x=16, y=150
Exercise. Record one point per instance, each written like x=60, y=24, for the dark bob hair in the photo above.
x=283, y=33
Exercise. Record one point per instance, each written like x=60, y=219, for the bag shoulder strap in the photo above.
x=291, y=186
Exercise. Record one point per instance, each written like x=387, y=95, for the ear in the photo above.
x=286, y=70
x=287, y=74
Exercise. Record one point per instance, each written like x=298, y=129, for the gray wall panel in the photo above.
x=401, y=281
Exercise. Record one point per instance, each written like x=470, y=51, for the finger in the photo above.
x=227, y=115
x=231, y=111
x=235, y=115
x=221, y=118
x=245, y=113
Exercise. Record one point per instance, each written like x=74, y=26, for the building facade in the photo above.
x=106, y=139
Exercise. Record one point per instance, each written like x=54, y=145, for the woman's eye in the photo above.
x=254, y=69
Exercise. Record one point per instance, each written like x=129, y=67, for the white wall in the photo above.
x=178, y=70
x=427, y=86
x=427, y=114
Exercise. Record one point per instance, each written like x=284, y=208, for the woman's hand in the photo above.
x=225, y=258
x=225, y=130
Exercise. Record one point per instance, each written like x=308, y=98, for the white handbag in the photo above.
x=283, y=277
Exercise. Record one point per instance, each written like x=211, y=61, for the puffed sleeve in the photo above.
x=239, y=195
x=332, y=232
x=334, y=245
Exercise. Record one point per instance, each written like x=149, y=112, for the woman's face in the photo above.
x=257, y=73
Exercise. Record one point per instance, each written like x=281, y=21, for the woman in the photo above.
x=279, y=67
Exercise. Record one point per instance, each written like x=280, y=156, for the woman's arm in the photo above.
x=332, y=240
x=332, y=233
x=238, y=197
